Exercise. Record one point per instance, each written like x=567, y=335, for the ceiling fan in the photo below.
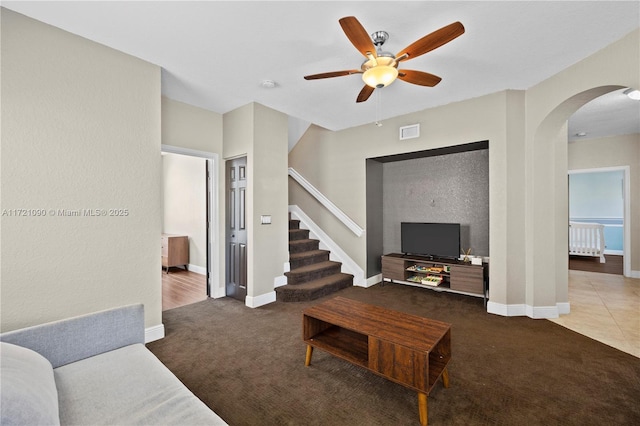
x=381, y=68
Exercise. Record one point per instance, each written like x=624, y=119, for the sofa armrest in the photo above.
x=69, y=340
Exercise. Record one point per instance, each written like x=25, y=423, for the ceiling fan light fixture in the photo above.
x=380, y=76
x=380, y=69
x=379, y=72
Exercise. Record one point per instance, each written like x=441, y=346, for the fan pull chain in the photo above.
x=378, y=95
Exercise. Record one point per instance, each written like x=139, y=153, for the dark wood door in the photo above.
x=236, y=229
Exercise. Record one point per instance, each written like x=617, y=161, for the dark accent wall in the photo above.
x=445, y=185
x=375, y=225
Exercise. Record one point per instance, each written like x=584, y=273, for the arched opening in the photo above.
x=551, y=145
x=547, y=231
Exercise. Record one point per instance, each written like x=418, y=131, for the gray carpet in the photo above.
x=248, y=365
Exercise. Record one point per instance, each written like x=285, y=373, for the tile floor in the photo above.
x=605, y=307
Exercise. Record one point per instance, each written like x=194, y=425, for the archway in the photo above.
x=547, y=196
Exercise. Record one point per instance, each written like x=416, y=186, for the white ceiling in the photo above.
x=214, y=54
x=609, y=115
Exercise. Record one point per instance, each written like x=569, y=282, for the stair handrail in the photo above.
x=322, y=199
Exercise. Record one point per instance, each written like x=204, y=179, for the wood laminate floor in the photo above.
x=614, y=264
x=180, y=287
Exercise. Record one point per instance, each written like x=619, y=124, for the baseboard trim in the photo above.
x=514, y=310
x=371, y=281
x=263, y=299
x=535, y=312
x=542, y=312
x=279, y=281
x=634, y=274
x=564, y=308
x=197, y=269
x=154, y=333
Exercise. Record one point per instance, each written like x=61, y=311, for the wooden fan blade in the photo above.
x=431, y=41
x=365, y=93
x=331, y=74
x=418, y=77
x=357, y=35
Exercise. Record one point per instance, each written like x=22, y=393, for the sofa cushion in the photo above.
x=29, y=395
x=127, y=386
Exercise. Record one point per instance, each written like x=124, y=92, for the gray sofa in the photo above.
x=92, y=370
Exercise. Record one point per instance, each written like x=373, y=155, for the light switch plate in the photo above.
x=265, y=219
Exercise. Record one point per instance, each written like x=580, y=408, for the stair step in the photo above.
x=299, y=246
x=298, y=234
x=294, y=223
x=298, y=260
x=312, y=272
x=313, y=289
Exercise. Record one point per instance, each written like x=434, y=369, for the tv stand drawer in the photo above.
x=393, y=268
x=468, y=279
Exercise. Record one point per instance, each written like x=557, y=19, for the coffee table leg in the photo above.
x=422, y=408
x=307, y=360
x=445, y=377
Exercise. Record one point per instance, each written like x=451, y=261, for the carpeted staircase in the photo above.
x=312, y=274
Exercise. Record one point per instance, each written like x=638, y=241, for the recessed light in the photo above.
x=268, y=84
x=581, y=134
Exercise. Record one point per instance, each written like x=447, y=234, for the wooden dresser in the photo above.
x=175, y=251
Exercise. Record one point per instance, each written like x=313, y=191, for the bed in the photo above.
x=586, y=239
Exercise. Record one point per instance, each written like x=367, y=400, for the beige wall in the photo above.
x=615, y=151
x=187, y=126
x=260, y=134
x=334, y=162
x=271, y=242
x=185, y=203
x=527, y=173
x=82, y=126
x=190, y=128
x=549, y=105
x=80, y=130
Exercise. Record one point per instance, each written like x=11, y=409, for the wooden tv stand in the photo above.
x=407, y=349
x=454, y=276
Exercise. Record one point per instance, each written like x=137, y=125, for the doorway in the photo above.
x=208, y=267
x=600, y=195
x=236, y=228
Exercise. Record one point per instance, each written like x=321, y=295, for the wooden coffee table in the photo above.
x=407, y=349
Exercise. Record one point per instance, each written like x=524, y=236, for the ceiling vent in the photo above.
x=409, y=132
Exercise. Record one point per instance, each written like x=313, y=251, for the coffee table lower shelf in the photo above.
x=345, y=344
x=409, y=350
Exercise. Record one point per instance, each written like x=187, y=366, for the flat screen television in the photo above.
x=438, y=240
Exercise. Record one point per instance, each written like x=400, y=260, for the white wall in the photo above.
x=80, y=130
x=185, y=204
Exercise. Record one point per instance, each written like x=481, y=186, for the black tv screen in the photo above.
x=430, y=239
